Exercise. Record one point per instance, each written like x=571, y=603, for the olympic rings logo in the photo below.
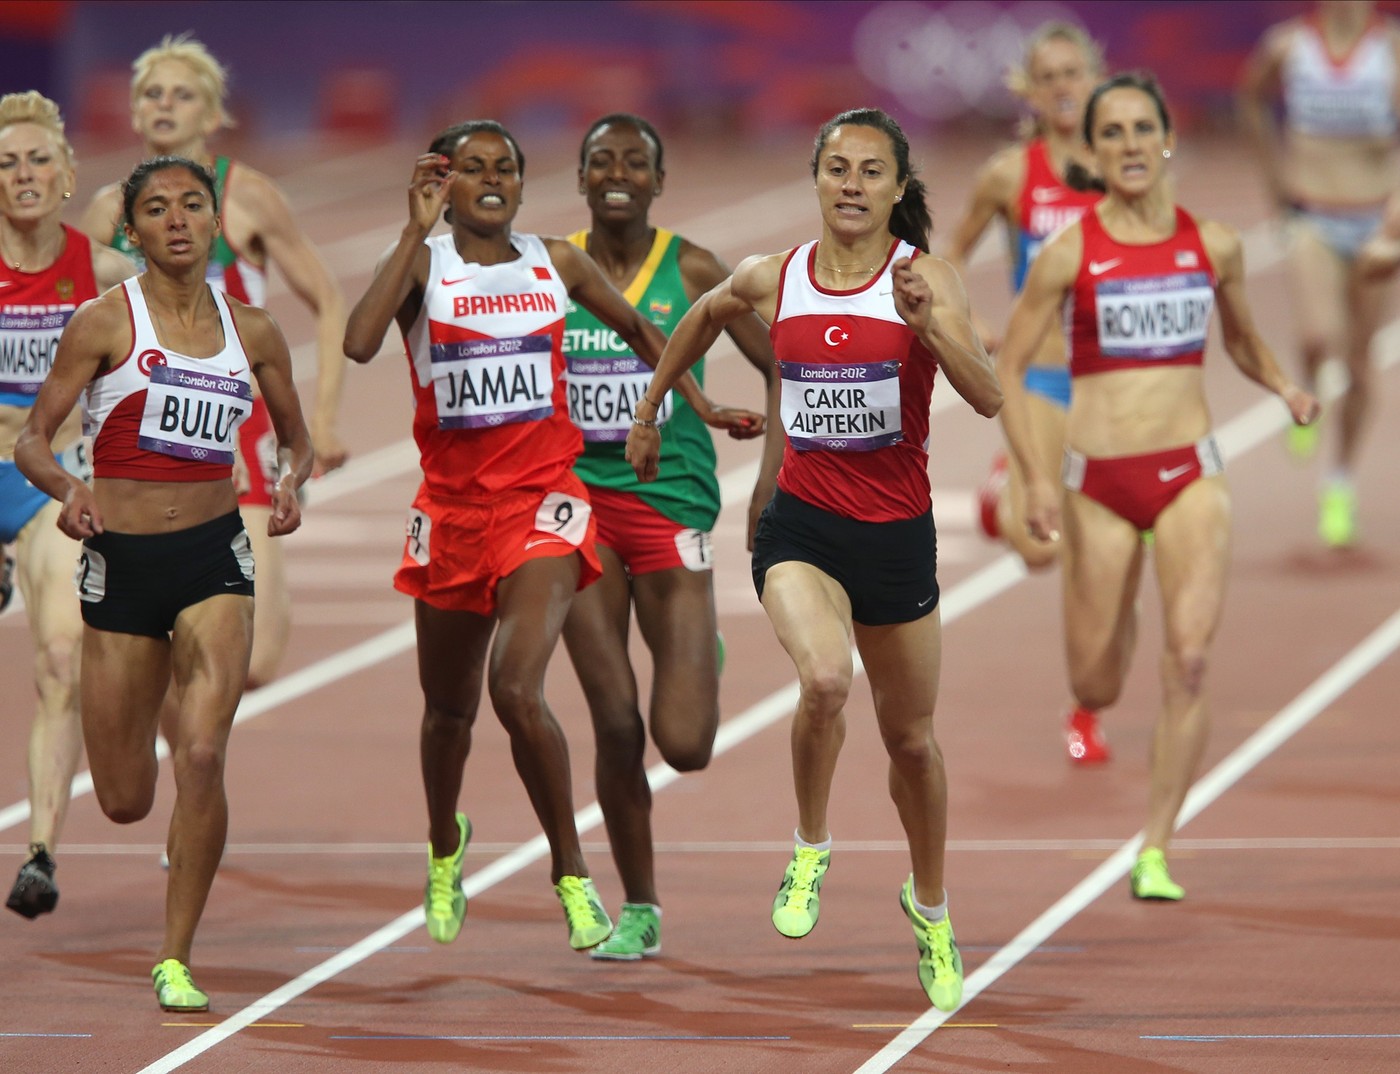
x=199, y=452
x=837, y=444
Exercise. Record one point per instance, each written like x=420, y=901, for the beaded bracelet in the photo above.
x=653, y=424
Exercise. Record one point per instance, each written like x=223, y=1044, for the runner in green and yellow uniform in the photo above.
x=653, y=538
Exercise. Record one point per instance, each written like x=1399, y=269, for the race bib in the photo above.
x=696, y=549
x=418, y=536
x=28, y=340
x=603, y=395
x=90, y=576
x=480, y=383
x=1153, y=317
x=564, y=516
x=193, y=415
x=841, y=407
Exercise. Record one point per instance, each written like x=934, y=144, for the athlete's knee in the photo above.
x=825, y=690
x=56, y=666
x=912, y=748
x=686, y=752
x=126, y=804
x=199, y=764
x=1095, y=690
x=620, y=738
x=518, y=701
x=1187, y=664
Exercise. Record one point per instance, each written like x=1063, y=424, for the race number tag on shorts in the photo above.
x=242, y=546
x=1153, y=317
x=418, y=532
x=603, y=395
x=77, y=460
x=90, y=576
x=562, y=515
x=193, y=415
x=841, y=407
x=695, y=549
x=480, y=383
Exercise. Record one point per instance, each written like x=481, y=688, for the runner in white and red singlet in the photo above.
x=1138, y=278
x=862, y=320
x=165, y=366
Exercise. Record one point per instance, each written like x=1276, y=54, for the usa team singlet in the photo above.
x=605, y=380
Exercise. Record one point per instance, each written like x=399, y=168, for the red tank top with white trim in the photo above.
x=34, y=308
x=1136, y=307
x=487, y=359
x=1046, y=204
x=856, y=388
x=159, y=415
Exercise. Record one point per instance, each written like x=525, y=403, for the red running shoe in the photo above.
x=989, y=498
x=1084, y=738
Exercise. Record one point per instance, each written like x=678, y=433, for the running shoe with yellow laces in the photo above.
x=940, y=962
x=175, y=988
x=636, y=935
x=444, y=901
x=1150, y=879
x=589, y=924
x=798, y=902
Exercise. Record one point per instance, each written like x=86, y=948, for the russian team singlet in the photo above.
x=227, y=271
x=1139, y=306
x=1351, y=96
x=34, y=309
x=857, y=384
x=1045, y=206
x=158, y=415
x=605, y=380
x=487, y=360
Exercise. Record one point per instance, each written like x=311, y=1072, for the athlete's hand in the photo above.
x=331, y=452
x=286, y=510
x=427, y=193
x=1302, y=405
x=1043, y=510
x=643, y=451
x=913, y=297
x=739, y=423
x=80, y=516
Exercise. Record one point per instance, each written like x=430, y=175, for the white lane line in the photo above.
x=1286, y=723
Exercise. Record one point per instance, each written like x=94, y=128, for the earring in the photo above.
x=898, y=198
x=1167, y=153
x=67, y=194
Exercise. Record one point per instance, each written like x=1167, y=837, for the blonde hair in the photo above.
x=209, y=73
x=1018, y=78
x=33, y=107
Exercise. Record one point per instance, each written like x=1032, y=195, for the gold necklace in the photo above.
x=849, y=271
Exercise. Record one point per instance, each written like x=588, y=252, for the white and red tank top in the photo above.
x=159, y=415
x=487, y=359
x=857, y=384
x=1350, y=96
x=34, y=308
x=1139, y=306
x=1045, y=206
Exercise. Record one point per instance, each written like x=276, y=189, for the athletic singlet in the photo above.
x=34, y=308
x=158, y=415
x=1044, y=206
x=857, y=384
x=1139, y=306
x=1351, y=96
x=605, y=381
x=226, y=271
x=487, y=360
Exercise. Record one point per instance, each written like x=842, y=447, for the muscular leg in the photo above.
x=533, y=602
x=1365, y=306
x=451, y=661
x=903, y=663
x=1318, y=283
x=811, y=616
x=44, y=573
x=1101, y=567
x=595, y=633
x=124, y=678
x=209, y=650
x=1192, y=557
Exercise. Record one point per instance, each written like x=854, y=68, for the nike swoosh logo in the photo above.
x=235, y=372
x=1165, y=475
x=543, y=540
x=7, y=283
x=1041, y=195
x=1097, y=268
x=453, y=283
x=925, y=600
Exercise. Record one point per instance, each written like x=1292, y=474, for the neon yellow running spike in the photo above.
x=588, y=922
x=1303, y=440
x=1150, y=879
x=1336, y=516
x=798, y=902
x=175, y=989
x=940, y=961
x=637, y=934
x=444, y=901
